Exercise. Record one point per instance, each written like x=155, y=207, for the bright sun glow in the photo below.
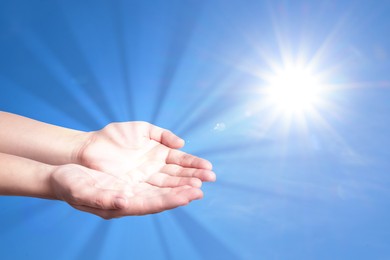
x=293, y=90
x=294, y=94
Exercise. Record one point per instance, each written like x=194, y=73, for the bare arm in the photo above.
x=74, y=184
x=39, y=141
x=24, y=177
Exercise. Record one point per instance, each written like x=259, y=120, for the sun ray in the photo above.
x=58, y=71
x=206, y=244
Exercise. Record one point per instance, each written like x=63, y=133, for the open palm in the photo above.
x=145, y=157
x=141, y=152
x=109, y=197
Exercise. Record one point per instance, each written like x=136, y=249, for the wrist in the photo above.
x=80, y=142
x=44, y=180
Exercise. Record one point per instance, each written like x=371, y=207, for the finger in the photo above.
x=165, y=180
x=187, y=160
x=146, y=190
x=101, y=198
x=165, y=137
x=176, y=170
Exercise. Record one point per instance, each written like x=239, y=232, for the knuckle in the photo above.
x=99, y=202
x=178, y=171
x=189, y=160
x=184, y=158
x=74, y=197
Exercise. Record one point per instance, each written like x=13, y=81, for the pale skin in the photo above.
x=131, y=168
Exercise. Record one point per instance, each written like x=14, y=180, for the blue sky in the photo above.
x=309, y=185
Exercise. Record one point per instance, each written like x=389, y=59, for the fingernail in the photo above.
x=213, y=177
x=120, y=203
x=196, y=183
x=207, y=165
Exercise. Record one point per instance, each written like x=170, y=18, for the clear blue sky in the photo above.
x=308, y=186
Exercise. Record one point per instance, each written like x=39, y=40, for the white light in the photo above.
x=293, y=90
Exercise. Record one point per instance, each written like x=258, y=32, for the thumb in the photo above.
x=165, y=137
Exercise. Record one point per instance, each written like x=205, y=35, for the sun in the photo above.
x=293, y=90
x=292, y=95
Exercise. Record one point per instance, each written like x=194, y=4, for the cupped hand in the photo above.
x=109, y=196
x=139, y=152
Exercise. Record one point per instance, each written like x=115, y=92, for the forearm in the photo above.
x=39, y=141
x=24, y=177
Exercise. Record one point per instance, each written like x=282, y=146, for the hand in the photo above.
x=108, y=196
x=134, y=168
x=138, y=152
